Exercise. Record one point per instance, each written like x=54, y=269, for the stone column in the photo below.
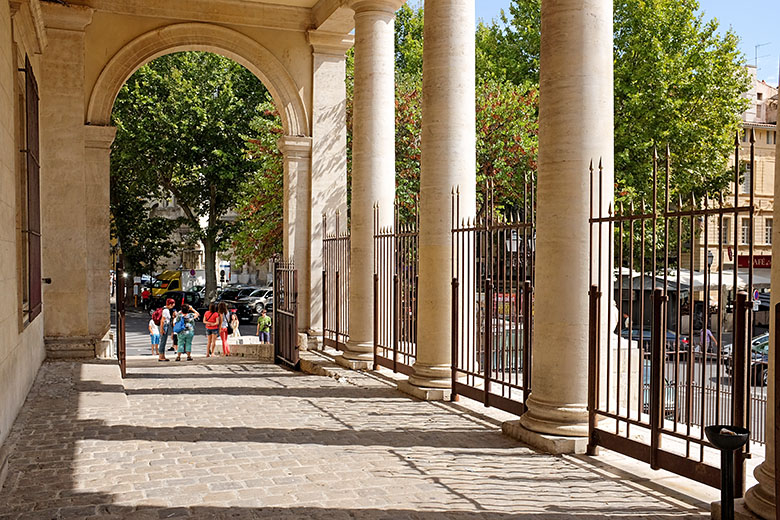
x=64, y=215
x=329, y=149
x=760, y=499
x=297, y=209
x=97, y=144
x=448, y=160
x=576, y=126
x=373, y=164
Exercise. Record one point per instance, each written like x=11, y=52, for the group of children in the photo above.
x=167, y=321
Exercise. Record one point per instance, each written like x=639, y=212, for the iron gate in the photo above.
x=492, y=302
x=121, y=332
x=335, y=285
x=396, y=260
x=659, y=368
x=286, y=314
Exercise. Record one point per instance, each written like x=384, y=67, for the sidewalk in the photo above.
x=229, y=439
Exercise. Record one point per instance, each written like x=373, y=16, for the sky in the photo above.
x=755, y=22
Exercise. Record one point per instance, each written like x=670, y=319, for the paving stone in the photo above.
x=236, y=440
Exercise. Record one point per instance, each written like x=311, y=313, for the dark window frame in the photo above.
x=31, y=231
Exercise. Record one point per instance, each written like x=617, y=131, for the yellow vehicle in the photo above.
x=176, y=281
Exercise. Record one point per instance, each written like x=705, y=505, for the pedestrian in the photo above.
x=188, y=315
x=264, y=327
x=224, y=320
x=211, y=320
x=706, y=340
x=166, y=326
x=234, y=323
x=154, y=335
x=145, y=296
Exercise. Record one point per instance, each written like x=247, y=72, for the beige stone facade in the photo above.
x=81, y=54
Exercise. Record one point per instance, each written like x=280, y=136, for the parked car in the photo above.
x=758, y=341
x=249, y=306
x=191, y=297
x=646, y=335
x=669, y=411
x=759, y=360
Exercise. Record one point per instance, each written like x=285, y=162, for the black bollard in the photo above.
x=727, y=439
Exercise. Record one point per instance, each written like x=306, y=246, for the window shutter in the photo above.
x=33, y=192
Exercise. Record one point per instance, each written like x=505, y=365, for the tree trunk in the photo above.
x=211, y=268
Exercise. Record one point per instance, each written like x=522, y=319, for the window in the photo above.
x=744, y=186
x=744, y=136
x=768, y=137
x=744, y=236
x=768, y=231
x=30, y=222
x=760, y=96
x=758, y=111
x=726, y=230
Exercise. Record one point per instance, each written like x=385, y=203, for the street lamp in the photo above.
x=710, y=258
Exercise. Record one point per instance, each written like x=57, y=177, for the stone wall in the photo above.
x=21, y=344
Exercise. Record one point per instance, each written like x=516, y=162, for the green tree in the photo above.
x=260, y=210
x=678, y=80
x=182, y=122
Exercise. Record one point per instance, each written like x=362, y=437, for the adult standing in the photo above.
x=166, y=327
x=264, y=327
x=224, y=319
x=145, y=296
x=211, y=320
x=188, y=315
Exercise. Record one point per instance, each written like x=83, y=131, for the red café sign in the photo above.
x=759, y=261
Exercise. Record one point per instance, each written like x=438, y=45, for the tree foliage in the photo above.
x=182, y=121
x=260, y=210
x=678, y=81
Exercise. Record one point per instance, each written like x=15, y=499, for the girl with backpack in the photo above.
x=211, y=320
x=224, y=323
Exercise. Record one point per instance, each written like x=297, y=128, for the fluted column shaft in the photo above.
x=575, y=127
x=448, y=160
x=373, y=163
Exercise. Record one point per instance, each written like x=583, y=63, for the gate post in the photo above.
x=593, y=363
x=741, y=378
x=656, y=375
x=488, y=352
x=527, y=338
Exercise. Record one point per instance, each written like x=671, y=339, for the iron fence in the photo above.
x=492, y=301
x=396, y=258
x=286, y=314
x=659, y=369
x=335, y=284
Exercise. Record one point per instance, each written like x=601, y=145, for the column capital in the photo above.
x=336, y=44
x=385, y=6
x=96, y=136
x=292, y=146
x=70, y=18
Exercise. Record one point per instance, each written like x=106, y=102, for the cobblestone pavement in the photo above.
x=240, y=440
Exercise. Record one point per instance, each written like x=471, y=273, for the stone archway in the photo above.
x=199, y=37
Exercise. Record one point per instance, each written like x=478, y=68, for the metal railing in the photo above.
x=335, y=284
x=286, y=314
x=492, y=301
x=659, y=367
x=396, y=259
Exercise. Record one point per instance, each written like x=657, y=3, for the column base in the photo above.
x=557, y=420
x=741, y=511
x=553, y=444
x=432, y=376
x=353, y=364
x=425, y=393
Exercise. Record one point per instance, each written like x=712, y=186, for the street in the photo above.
x=139, y=344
